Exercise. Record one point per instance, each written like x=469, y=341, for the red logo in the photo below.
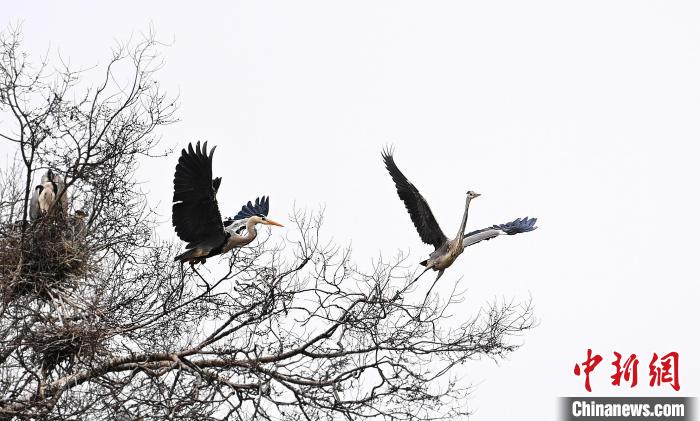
x=661, y=369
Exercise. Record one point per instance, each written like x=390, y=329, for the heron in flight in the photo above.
x=196, y=215
x=46, y=193
x=446, y=250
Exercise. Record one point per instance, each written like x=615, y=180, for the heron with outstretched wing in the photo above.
x=196, y=216
x=446, y=250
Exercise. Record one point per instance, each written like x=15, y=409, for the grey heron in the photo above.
x=446, y=250
x=45, y=194
x=196, y=216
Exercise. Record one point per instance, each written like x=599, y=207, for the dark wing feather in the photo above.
x=261, y=207
x=196, y=215
x=421, y=215
x=518, y=226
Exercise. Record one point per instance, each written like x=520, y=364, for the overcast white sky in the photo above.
x=584, y=114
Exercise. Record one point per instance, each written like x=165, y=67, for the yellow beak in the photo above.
x=271, y=222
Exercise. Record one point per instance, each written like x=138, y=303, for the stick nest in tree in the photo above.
x=44, y=263
x=53, y=344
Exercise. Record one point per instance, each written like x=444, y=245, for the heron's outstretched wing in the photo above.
x=421, y=215
x=260, y=208
x=196, y=215
x=511, y=228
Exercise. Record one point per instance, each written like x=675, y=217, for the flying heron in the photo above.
x=446, y=250
x=46, y=193
x=196, y=215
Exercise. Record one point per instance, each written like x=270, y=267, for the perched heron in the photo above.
x=446, y=250
x=196, y=215
x=45, y=194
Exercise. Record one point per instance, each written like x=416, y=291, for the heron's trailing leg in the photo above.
x=208, y=287
x=434, y=282
x=429, y=291
x=398, y=293
x=418, y=277
x=181, y=286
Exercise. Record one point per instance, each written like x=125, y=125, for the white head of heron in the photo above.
x=472, y=194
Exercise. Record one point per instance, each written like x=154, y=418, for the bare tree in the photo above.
x=96, y=320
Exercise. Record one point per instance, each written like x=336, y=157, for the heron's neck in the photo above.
x=251, y=232
x=463, y=226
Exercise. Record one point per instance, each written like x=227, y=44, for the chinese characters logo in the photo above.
x=662, y=370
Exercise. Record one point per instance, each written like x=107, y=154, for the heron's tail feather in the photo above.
x=424, y=262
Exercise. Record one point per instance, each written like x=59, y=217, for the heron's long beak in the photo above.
x=477, y=194
x=271, y=222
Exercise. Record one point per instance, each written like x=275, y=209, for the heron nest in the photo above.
x=54, y=344
x=44, y=262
